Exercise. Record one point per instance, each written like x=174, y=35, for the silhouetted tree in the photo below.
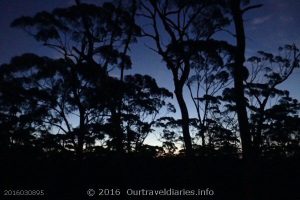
x=19, y=118
x=142, y=102
x=176, y=41
x=267, y=73
x=86, y=35
x=240, y=73
x=281, y=130
x=169, y=135
x=51, y=94
x=209, y=76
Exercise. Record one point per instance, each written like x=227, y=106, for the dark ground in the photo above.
x=62, y=178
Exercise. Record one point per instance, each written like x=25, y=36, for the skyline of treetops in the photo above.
x=219, y=99
x=98, y=98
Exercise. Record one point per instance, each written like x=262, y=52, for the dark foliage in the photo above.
x=70, y=120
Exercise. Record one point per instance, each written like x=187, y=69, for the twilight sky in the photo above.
x=274, y=24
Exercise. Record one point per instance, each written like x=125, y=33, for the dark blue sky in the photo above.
x=274, y=24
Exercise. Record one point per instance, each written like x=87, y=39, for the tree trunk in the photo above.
x=80, y=135
x=185, y=121
x=257, y=136
x=238, y=72
x=117, y=130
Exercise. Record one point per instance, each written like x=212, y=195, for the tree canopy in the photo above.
x=75, y=103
